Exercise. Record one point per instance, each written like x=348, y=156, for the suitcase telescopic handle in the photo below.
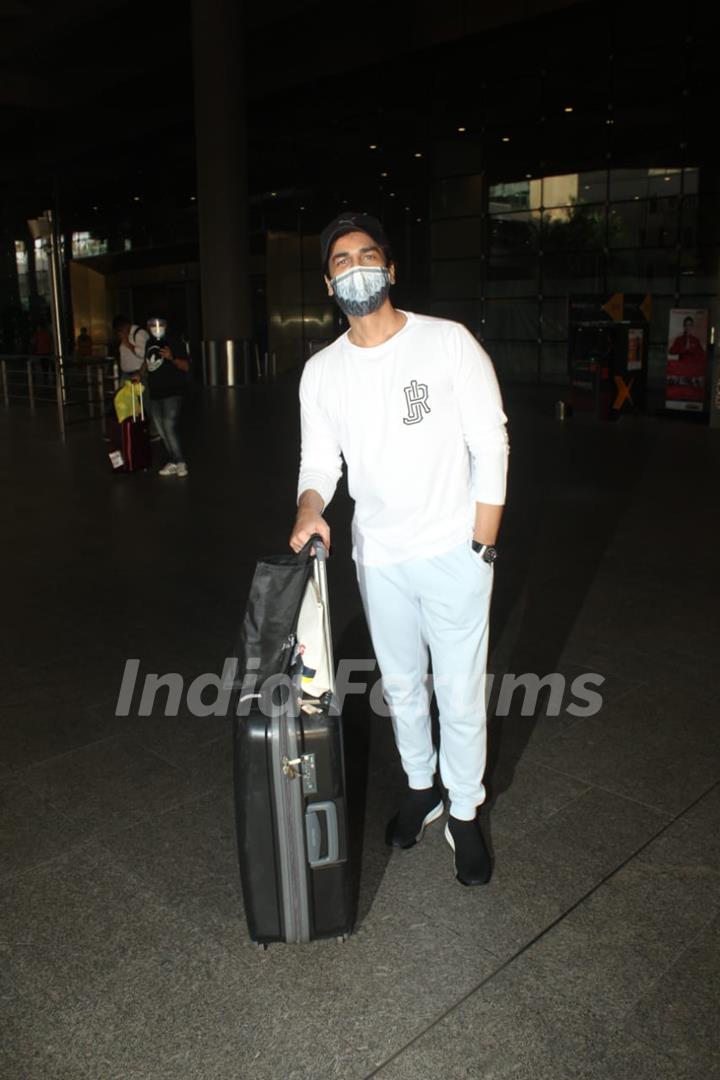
x=316, y=541
x=320, y=574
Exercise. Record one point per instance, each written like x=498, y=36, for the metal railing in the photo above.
x=81, y=389
x=78, y=389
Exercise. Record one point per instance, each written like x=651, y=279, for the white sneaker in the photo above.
x=182, y=469
x=168, y=470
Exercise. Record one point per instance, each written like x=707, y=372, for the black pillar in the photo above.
x=218, y=46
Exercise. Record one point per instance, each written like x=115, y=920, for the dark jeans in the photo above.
x=166, y=414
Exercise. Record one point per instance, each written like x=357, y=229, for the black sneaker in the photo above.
x=419, y=808
x=473, y=865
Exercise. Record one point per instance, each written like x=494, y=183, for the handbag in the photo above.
x=128, y=402
x=268, y=635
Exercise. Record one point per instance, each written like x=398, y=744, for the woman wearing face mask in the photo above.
x=167, y=368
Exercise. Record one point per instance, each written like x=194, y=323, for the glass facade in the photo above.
x=507, y=256
x=85, y=245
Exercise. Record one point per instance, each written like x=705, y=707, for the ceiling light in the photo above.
x=136, y=198
x=418, y=219
x=418, y=154
x=568, y=108
x=506, y=138
x=372, y=146
x=462, y=129
x=193, y=198
x=392, y=194
x=274, y=194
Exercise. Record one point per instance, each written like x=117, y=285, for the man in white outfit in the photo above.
x=412, y=404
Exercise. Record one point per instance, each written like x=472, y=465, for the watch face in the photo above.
x=490, y=554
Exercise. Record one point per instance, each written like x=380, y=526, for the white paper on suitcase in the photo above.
x=316, y=679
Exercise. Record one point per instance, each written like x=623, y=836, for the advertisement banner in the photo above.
x=715, y=394
x=687, y=359
x=636, y=347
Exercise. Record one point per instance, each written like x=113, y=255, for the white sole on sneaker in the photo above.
x=434, y=814
x=451, y=842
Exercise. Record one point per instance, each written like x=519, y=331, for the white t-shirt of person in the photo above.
x=420, y=424
x=132, y=356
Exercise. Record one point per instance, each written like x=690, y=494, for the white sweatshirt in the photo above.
x=420, y=424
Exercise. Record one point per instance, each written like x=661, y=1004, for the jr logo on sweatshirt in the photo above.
x=416, y=397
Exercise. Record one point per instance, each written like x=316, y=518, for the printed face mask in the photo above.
x=361, y=290
x=157, y=328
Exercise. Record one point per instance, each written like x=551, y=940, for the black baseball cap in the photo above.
x=352, y=222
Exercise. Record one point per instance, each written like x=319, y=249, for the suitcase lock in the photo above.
x=304, y=767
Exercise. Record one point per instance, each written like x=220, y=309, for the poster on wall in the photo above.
x=636, y=345
x=687, y=359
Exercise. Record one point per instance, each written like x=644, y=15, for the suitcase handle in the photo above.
x=313, y=833
x=320, y=575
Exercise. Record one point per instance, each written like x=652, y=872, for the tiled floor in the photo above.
x=594, y=951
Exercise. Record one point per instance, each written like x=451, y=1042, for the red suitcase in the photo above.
x=130, y=445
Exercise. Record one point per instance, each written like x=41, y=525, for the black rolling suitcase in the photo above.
x=289, y=770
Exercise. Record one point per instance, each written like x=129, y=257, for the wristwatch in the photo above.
x=486, y=551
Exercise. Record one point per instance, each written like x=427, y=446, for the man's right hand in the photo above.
x=309, y=523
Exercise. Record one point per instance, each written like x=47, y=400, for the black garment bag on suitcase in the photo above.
x=289, y=770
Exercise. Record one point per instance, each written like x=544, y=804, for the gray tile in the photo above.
x=34, y=1044
x=663, y=710
x=188, y=858
x=597, y=829
x=536, y=878
x=7, y=775
x=624, y=1057
x=609, y=951
x=31, y=830
x=175, y=739
x=535, y=794
x=77, y=903
x=137, y=991
x=45, y=727
x=681, y=1010
x=112, y=784
x=57, y=679
x=630, y=755
x=619, y=680
x=704, y=819
x=201, y=747
x=195, y=1015
x=511, y=1027
x=388, y=981
x=597, y=646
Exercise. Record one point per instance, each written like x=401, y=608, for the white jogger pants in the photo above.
x=441, y=604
